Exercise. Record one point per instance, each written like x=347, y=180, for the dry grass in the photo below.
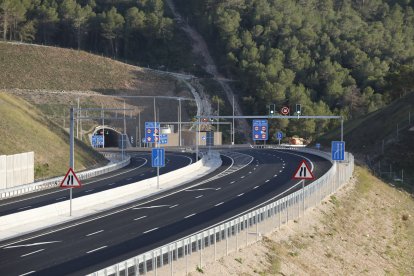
x=23, y=128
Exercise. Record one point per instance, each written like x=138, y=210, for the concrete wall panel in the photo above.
x=3, y=171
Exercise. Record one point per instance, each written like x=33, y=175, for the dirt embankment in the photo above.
x=366, y=228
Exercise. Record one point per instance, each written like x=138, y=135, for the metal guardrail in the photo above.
x=54, y=182
x=206, y=246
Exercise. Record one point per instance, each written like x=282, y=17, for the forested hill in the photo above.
x=346, y=57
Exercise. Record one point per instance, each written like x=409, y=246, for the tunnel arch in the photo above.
x=111, y=135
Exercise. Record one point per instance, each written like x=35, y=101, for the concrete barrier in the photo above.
x=35, y=219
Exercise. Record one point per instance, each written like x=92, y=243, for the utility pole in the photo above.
x=77, y=121
x=179, y=122
x=71, y=154
x=233, y=124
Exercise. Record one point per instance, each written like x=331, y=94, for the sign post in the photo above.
x=158, y=160
x=338, y=150
x=279, y=136
x=303, y=172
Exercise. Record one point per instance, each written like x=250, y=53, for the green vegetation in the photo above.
x=333, y=57
x=137, y=31
x=25, y=129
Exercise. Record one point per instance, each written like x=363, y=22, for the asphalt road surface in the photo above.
x=99, y=242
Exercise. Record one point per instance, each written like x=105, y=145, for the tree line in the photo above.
x=344, y=57
x=136, y=30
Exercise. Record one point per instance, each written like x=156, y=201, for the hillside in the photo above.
x=24, y=128
x=367, y=228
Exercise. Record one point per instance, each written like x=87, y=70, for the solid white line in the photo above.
x=24, y=207
x=199, y=196
x=190, y=215
x=32, y=244
x=174, y=206
x=89, y=191
x=255, y=187
x=140, y=218
x=218, y=204
x=32, y=252
x=102, y=247
x=27, y=273
x=94, y=233
x=267, y=181
x=240, y=194
x=153, y=229
x=203, y=189
x=60, y=198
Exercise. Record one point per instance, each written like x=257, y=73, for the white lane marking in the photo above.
x=242, y=176
x=31, y=244
x=24, y=207
x=240, y=194
x=128, y=179
x=219, y=188
x=150, y=207
x=199, y=196
x=250, y=172
x=87, y=183
x=275, y=175
x=190, y=215
x=153, y=229
x=27, y=273
x=203, y=189
x=257, y=165
x=140, y=218
x=89, y=191
x=173, y=206
x=254, y=169
x=142, y=174
x=255, y=187
x=281, y=171
x=218, y=204
x=60, y=198
x=94, y=233
x=111, y=184
x=232, y=182
x=102, y=247
x=34, y=252
x=267, y=181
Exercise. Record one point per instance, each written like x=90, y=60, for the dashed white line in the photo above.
x=150, y=207
x=94, y=233
x=153, y=229
x=254, y=168
x=280, y=170
x=24, y=207
x=142, y=174
x=232, y=182
x=199, y=196
x=255, y=187
x=27, y=273
x=111, y=184
x=219, y=188
x=240, y=194
x=218, y=204
x=173, y=206
x=102, y=247
x=267, y=181
x=140, y=218
x=250, y=172
x=89, y=191
x=275, y=175
x=190, y=215
x=32, y=252
x=129, y=179
x=60, y=198
x=242, y=176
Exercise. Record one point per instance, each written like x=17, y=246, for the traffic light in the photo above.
x=272, y=108
x=298, y=109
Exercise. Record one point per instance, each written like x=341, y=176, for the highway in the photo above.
x=113, y=237
x=139, y=169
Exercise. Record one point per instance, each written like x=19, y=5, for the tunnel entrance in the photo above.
x=111, y=136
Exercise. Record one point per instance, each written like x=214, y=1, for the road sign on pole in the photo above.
x=260, y=130
x=70, y=180
x=158, y=157
x=279, y=136
x=152, y=130
x=285, y=110
x=338, y=150
x=303, y=171
x=163, y=139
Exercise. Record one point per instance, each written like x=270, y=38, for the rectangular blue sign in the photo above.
x=338, y=151
x=97, y=141
x=152, y=130
x=279, y=135
x=158, y=157
x=260, y=130
x=163, y=139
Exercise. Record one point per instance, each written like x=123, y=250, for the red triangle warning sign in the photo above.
x=70, y=180
x=303, y=172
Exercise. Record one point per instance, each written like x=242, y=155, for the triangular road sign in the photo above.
x=70, y=180
x=303, y=172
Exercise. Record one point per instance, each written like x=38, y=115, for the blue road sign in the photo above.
x=279, y=135
x=163, y=139
x=260, y=130
x=318, y=146
x=338, y=151
x=152, y=129
x=97, y=141
x=210, y=138
x=158, y=157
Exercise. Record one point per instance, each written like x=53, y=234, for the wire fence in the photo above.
x=193, y=252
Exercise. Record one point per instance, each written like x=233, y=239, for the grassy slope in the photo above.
x=367, y=228
x=23, y=128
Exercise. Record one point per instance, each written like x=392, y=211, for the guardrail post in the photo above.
x=257, y=226
x=170, y=258
x=226, y=236
x=215, y=244
x=201, y=250
x=185, y=252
